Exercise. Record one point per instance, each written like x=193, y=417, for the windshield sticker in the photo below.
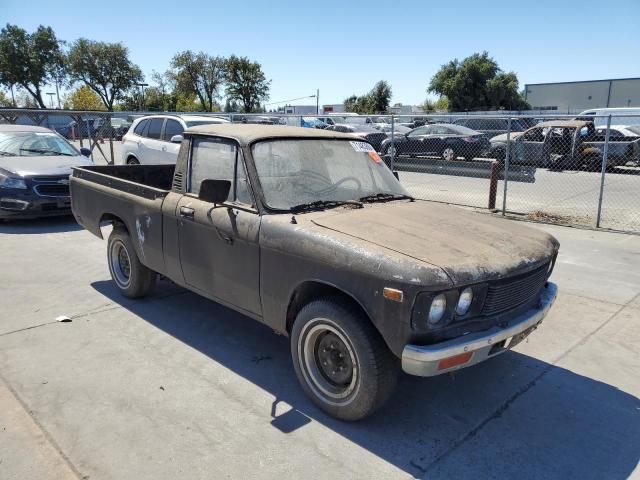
x=375, y=157
x=362, y=147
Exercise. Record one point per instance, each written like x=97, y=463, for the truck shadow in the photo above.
x=40, y=226
x=518, y=416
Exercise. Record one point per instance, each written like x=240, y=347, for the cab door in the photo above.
x=218, y=244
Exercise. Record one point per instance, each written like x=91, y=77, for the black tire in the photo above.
x=365, y=371
x=131, y=277
x=132, y=161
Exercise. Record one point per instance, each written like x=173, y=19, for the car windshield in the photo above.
x=34, y=144
x=295, y=172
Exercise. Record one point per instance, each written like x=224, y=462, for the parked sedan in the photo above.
x=35, y=164
x=443, y=140
x=373, y=136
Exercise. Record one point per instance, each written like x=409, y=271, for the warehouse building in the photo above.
x=572, y=97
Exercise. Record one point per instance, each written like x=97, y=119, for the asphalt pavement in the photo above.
x=176, y=386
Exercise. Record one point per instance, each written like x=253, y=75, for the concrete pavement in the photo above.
x=176, y=386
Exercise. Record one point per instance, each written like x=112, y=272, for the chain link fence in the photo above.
x=550, y=168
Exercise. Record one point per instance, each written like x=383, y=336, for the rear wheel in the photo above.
x=132, y=161
x=341, y=361
x=132, y=278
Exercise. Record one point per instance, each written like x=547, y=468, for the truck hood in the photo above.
x=468, y=246
x=503, y=137
x=42, y=165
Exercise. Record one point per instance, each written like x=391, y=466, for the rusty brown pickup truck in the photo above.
x=309, y=232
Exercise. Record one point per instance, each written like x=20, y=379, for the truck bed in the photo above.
x=131, y=196
x=149, y=181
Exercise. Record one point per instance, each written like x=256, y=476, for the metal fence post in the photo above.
x=393, y=146
x=505, y=172
x=605, y=162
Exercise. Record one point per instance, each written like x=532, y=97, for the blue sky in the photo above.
x=344, y=47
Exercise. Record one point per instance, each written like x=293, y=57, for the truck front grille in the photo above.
x=512, y=292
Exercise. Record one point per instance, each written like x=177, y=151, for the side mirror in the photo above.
x=177, y=139
x=214, y=191
x=85, y=152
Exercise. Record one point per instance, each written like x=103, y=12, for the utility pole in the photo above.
x=317, y=101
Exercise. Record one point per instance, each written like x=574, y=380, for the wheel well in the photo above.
x=308, y=291
x=130, y=156
x=113, y=219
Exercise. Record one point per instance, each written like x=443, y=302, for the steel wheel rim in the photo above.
x=448, y=154
x=315, y=337
x=120, y=263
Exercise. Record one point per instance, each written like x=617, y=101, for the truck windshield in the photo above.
x=295, y=172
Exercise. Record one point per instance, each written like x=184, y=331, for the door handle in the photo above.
x=187, y=212
x=164, y=148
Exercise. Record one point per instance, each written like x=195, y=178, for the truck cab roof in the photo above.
x=246, y=134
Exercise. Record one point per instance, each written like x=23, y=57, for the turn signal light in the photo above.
x=393, y=294
x=454, y=361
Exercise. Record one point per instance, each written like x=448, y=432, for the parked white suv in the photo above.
x=156, y=138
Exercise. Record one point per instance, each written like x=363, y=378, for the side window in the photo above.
x=140, y=128
x=218, y=159
x=416, y=132
x=534, y=135
x=155, y=128
x=476, y=124
x=171, y=128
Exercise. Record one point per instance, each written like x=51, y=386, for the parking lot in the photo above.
x=176, y=386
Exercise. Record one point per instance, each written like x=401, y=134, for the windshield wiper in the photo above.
x=52, y=152
x=323, y=204
x=385, y=197
x=7, y=154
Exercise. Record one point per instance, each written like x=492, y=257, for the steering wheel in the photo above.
x=333, y=186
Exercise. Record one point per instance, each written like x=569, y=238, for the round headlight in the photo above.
x=438, y=307
x=464, y=301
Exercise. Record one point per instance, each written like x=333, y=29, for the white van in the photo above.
x=618, y=116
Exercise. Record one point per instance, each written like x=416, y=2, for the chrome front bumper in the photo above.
x=424, y=361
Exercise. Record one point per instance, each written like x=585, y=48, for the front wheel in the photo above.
x=132, y=278
x=448, y=154
x=341, y=361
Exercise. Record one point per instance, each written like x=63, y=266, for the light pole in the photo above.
x=142, y=85
x=51, y=94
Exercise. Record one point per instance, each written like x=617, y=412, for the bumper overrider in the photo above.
x=462, y=352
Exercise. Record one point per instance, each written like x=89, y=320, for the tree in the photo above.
x=5, y=101
x=380, y=97
x=442, y=104
x=477, y=83
x=29, y=61
x=103, y=67
x=200, y=74
x=376, y=101
x=356, y=104
x=246, y=83
x=187, y=102
x=428, y=105
x=83, y=98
